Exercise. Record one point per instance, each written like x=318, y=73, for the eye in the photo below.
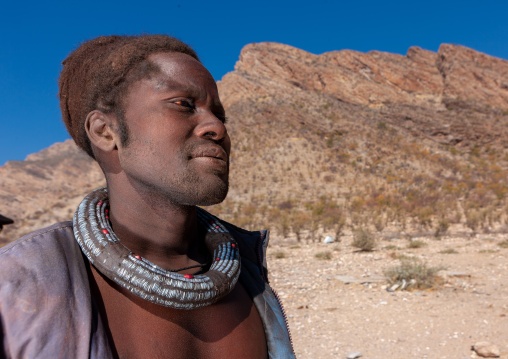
x=184, y=103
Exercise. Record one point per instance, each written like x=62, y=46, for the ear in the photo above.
x=99, y=128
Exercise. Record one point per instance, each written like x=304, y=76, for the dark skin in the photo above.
x=177, y=157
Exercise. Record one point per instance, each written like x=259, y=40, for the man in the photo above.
x=142, y=272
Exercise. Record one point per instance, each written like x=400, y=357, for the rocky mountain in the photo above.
x=326, y=142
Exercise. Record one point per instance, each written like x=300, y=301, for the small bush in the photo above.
x=416, y=244
x=448, y=251
x=488, y=251
x=416, y=273
x=391, y=247
x=323, y=255
x=442, y=228
x=364, y=240
x=279, y=254
x=503, y=244
x=399, y=256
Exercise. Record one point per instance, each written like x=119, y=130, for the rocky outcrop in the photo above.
x=473, y=76
x=421, y=77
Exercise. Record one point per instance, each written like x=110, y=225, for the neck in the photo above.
x=163, y=233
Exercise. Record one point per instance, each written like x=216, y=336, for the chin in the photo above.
x=212, y=195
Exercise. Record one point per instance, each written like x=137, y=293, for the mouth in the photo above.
x=214, y=152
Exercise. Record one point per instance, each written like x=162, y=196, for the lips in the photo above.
x=210, y=152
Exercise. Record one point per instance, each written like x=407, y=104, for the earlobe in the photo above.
x=99, y=128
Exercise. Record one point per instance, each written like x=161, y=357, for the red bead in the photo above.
x=99, y=203
x=107, y=217
x=188, y=276
x=105, y=231
x=217, y=259
x=217, y=227
x=106, y=211
x=233, y=245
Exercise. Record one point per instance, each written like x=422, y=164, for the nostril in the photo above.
x=214, y=136
x=210, y=134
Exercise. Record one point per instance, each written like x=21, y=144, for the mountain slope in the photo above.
x=372, y=140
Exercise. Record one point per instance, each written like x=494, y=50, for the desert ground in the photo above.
x=343, y=305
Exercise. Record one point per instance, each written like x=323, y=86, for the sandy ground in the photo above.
x=329, y=318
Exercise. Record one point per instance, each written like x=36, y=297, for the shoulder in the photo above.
x=39, y=255
x=44, y=277
x=44, y=239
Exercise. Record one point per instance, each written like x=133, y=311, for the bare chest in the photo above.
x=230, y=328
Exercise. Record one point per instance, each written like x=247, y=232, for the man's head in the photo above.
x=97, y=74
x=149, y=112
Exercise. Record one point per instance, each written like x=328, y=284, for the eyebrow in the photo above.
x=171, y=85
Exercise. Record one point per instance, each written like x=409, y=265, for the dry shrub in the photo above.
x=379, y=223
x=473, y=220
x=364, y=240
x=298, y=221
x=441, y=228
x=416, y=273
x=323, y=255
x=503, y=244
x=416, y=244
x=488, y=251
x=279, y=254
x=449, y=251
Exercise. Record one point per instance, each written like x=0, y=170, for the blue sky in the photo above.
x=36, y=36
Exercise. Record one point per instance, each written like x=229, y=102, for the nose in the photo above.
x=212, y=128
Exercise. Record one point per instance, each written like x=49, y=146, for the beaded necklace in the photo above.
x=145, y=279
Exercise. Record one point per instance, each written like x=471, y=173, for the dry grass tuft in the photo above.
x=279, y=254
x=323, y=255
x=415, y=273
x=449, y=251
x=488, y=251
x=416, y=244
x=503, y=244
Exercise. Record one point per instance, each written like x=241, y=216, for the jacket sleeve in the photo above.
x=45, y=300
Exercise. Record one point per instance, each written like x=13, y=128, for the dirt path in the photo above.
x=329, y=318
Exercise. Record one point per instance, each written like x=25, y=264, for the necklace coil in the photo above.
x=145, y=279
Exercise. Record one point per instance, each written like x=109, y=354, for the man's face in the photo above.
x=178, y=146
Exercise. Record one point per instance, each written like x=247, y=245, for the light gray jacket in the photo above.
x=46, y=309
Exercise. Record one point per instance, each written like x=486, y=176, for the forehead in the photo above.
x=177, y=69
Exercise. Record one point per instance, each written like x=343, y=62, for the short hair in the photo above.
x=97, y=74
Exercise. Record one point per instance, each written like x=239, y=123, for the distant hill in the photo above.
x=332, y=141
